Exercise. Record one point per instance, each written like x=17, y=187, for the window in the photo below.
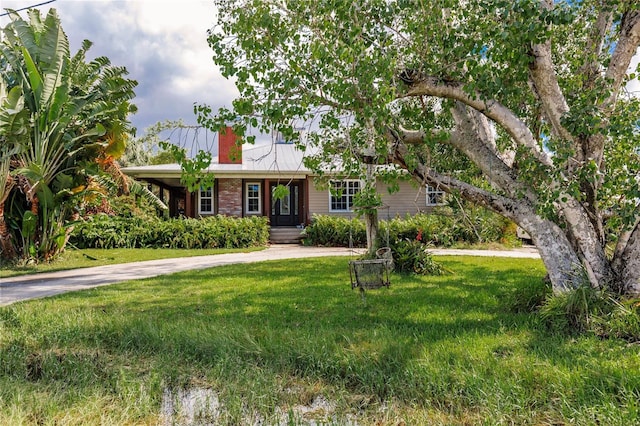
x=253, y=198
x=435, y=197
x=205, y=201
x=341, y=195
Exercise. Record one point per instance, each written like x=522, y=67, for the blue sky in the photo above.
x=161, y=42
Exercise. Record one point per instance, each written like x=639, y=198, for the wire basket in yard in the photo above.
x=385, y=253
x=369, y=274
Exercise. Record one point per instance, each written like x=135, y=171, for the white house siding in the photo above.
x=319, y=202
x=406, y=201
x=409, y=200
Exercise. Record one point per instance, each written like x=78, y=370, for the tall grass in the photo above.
x=269, y=336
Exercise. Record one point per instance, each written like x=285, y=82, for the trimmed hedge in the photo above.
x=443, y=228
x=332, y=231
x=103, y=231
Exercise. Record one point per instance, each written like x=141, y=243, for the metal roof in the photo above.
x=279, y=159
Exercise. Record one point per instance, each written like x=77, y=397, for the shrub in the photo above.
x=585, y=309
x=335, y=231
x=412, y=256
x=443, y=228
x=574, y=310
x=102, y=231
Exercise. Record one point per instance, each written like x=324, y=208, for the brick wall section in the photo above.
x=230, y=197
x=229, y=147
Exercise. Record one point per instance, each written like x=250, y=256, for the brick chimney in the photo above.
x=229, y=147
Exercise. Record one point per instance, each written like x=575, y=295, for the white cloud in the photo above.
x=161, y=42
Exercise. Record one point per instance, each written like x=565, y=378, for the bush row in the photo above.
x=332, y=231
x=103, y=231
x=442, y=228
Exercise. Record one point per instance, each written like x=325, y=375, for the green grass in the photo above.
x=73, y=259
x=269, y=336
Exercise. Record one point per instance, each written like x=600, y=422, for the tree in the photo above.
x=530, y=92
x=146, y=150
x=62, y=124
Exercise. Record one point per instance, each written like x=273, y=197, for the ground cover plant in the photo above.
x=73, y=258
x=268, y=338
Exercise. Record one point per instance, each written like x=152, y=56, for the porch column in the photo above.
x=189, y=207
x=266, y=196
x=305, y=208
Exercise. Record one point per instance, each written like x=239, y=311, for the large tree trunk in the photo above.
x=571, y=254
x=556, y=250
x=587, y=244
x=628, y=265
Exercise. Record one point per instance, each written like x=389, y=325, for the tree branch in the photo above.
x=625, y=49
x=497, y=112
x=621, y=245
x=547, y=89
x=545, y=83
x=475, y=144
x=595, y=44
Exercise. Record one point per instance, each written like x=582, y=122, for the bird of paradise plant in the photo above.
x=68, y=118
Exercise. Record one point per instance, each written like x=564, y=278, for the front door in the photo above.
x=286, y=211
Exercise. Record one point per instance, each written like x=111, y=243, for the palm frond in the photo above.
x=133, y=187
x=6, y=180
x=55, y=56
x=14, y=119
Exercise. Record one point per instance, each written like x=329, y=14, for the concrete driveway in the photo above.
x=35, y=286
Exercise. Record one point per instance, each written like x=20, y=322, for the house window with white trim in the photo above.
x=341, y=195
x=205, y=201
x=253, y=197
x=435, y=196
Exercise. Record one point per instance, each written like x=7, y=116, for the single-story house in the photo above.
x=245, y=180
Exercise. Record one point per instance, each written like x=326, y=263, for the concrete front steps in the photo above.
x=285, y=235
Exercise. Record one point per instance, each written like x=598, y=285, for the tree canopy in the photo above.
x=516, y=105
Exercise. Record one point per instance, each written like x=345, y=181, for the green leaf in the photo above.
x=35, y=79
x=280, y=192
x=29, y=223
x=97, y=131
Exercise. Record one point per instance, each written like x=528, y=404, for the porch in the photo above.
x=285, y=235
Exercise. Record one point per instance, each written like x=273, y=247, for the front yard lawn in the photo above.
x=289, y=342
